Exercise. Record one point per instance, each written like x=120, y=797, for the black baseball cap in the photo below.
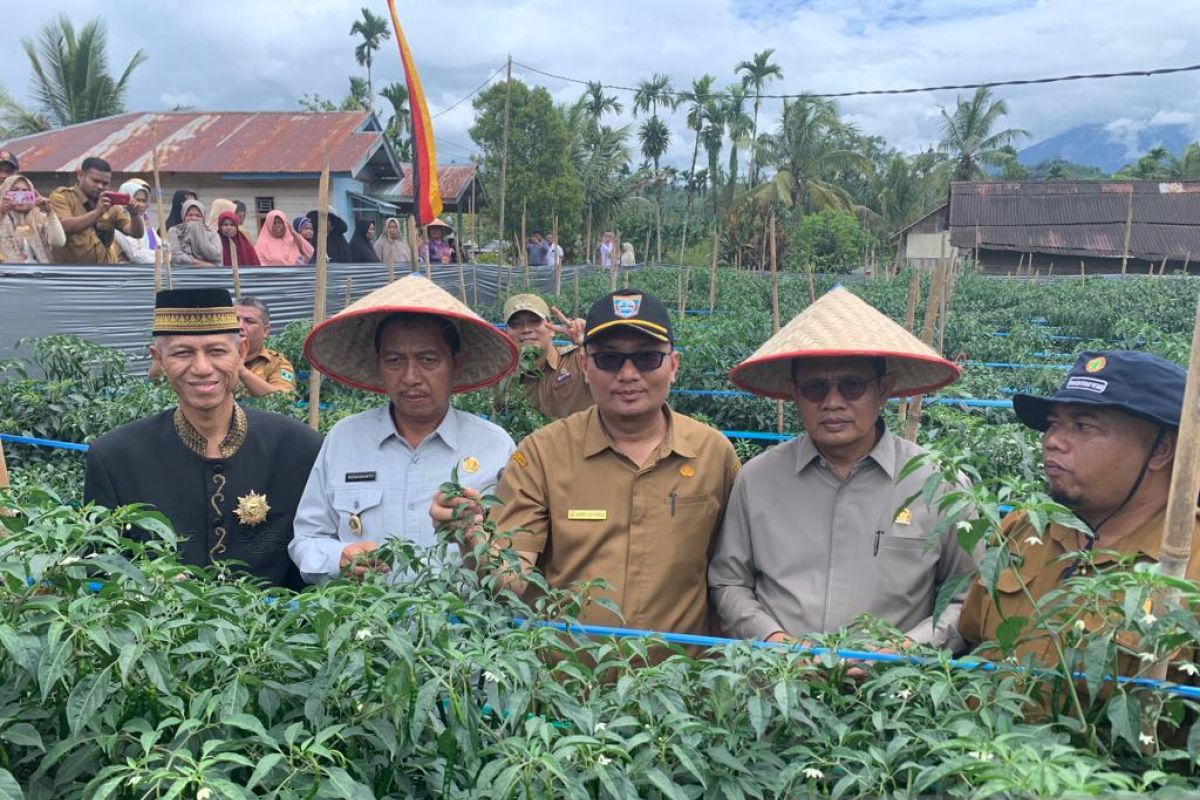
x=7, y=157
x=628, y=308
x=1141, y=384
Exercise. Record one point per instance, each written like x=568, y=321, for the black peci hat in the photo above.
x=194, y=312
x=628, y=308
x=1141, y=384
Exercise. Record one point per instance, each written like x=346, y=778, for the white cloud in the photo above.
x=255, y=54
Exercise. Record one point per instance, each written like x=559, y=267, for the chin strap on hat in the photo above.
x=1137, y=484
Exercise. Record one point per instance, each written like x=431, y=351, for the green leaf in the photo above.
x=87, y=698
x=23, y=735
x=1124, y=713
x=1096, y=662
x=248, y=723
x=346, y=787
x=1008, y=631
x=664, y=784
x=947, y=591
x=9, y=788
x=265, y=765
x=759, y=710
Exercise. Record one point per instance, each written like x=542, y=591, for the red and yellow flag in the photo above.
x=427, y=198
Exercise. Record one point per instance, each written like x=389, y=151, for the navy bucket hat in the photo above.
x=1141, y=384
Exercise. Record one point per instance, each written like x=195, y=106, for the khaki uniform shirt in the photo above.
x=274, y=368
x=93, y=245
x=589, y=513
x=1041, y=570
x=560, y=390
x=803, y=551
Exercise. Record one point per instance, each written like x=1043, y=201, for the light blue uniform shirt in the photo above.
x=366, y=468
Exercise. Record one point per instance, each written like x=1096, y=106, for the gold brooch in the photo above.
x=252, y=509
x=470, y=464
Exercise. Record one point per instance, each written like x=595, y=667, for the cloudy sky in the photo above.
x=251, y=54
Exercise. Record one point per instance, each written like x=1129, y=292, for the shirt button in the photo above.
x=218, y=468
x=412, y=506
x=416, y=459
x=216, y=521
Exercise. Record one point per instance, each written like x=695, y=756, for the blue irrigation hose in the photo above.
x=8, y=437
x=1010, y=365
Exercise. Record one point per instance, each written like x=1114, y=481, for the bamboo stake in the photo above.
x=349, y=290
x=414, y=244
x=575, y=280
x=233, y=268
x=1187, y=258
x=944, y=304
x=910, y=319
x=587, y=243
x=3, y=472
x=429, y=258
x=462, y=271
x=1163, y=269
x=775, y=312
x=614, y=259
x=522, y=251
x=504, y=161
x=646, y=252
x=558, y=265
x=712, y=273
x=812, y=286
x=1181, y=502
x=314, y=378
x=931, y=307
x=162, y=254
x=1128, y=229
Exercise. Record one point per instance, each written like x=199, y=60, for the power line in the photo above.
x=476, y=91
x=864, y=92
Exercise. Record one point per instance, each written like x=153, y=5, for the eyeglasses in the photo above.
x=815, y=391
x=643, y=360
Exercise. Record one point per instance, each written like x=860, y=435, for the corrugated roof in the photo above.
x=1082, y=218
x=210, y=142
x=454, y=181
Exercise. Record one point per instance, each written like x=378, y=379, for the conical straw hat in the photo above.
x=343, y=347
x=841, y=325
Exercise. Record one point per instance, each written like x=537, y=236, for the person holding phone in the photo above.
x=90, y=214
x=29, y=228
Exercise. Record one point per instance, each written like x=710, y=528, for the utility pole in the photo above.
x=504, y=160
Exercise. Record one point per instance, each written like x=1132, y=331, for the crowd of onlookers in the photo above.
x=90, y=223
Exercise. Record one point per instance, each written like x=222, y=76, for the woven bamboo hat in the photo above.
x=343, y=347
x=840, y=325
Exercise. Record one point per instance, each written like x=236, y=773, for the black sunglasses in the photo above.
x=816, y=390
x=643, y=360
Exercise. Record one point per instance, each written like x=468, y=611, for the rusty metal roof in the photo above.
x=454, y=181
x=215, y=143
x=1081, y=218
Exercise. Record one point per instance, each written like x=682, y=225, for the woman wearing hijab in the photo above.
x=440, y=251
x=336, y=247
x=27, y=230
x=191, y=242
x=278, y=245
x=233, y=240
x=177, y=201
x=391, y=247
x=219, y=207
x=361, y=251
x=303, y=226
x=137, y=251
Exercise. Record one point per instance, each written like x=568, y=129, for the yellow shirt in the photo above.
x=93, y=245
x=589, y=512
x=274, y=368
x=559, y=390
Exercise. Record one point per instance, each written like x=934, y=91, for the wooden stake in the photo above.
x=391, y=261
x=1187, y=258
x=910, y=319
x=557, y=261
x=812, y=285
x=615, y=260
x=4, y=484
x=522, y=252
x=233, y=268
x=314, y=378
x=1128, y=229
x=646, y=252
x=429, y=258
x=575, y=280
x=349, y=290
x=712, y=272
x=931, y=307
x=414, y=242
x=1163, y=269
x=775, y=312
x=1181, y=502
x=162, y=255
x=462, y=271
x=500, y=237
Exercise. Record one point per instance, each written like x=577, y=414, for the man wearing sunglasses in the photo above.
x=817, y=532
x=628, y=491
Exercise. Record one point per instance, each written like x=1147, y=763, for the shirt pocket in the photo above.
x=906, y=562
x=683, y=529
x=359, y=514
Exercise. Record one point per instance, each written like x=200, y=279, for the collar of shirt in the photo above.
x=551, y=358
x=83, y=198
x=447, y=431
x=596, y=439
x=1146, y=539
x=883, y=453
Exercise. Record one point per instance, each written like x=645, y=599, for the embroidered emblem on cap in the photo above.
x=1087, y=384
x=1096, y=364
x=470, y=464
x=687, y=471
x=626, y=306
x=252, y=509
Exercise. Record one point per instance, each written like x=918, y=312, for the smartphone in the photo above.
x=117, y=198
x=21, y=198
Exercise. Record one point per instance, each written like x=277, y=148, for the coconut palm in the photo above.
x=71, y=82
x=756, y=73
x=16, y=120
x=399, y=123
x=698, y=100
x=655, y=137
x=738, y=126
x=806, y=153
x=359, y=96
x=374, y=31
x=967, y=135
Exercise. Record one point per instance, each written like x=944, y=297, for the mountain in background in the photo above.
x=1107, y=146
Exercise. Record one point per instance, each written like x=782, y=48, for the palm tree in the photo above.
x=1186, y=166
x=968, y=139
x=398, y=124
x=655, y=137
x=738, y=126
x=595, y=104
x=898, y=192
x=374, y=31
x=16, y=120
x=713, y=137
x=757, y=71
x=71, y=82
x=359, y=97
x=698, y=99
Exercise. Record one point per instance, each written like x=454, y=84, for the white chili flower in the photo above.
x=130, y=527
x=204, y=793
x=812, y=773
x=600, y=728
x=1147, y=658
x=1189, y=667
x=491, y=677
x=362, y=633
x=963, y=525
x=70, y=561
x=603, y=761
x=903, y=694
x=1080, y=625
x=1033, y=541
x=1149, y=619
x=982, y=756
x=1146, y=739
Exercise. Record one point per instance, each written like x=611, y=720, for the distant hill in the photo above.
x=1106, y=146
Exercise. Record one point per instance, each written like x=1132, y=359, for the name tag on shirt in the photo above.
x=359, y=477
x=587, y=513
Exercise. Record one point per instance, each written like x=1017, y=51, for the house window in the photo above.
x=264, y=205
